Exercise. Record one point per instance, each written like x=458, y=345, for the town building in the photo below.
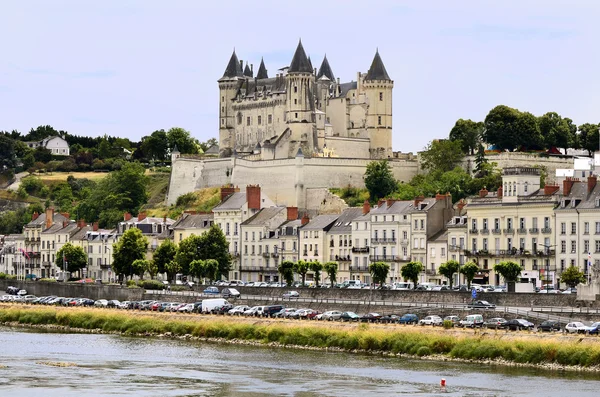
x=191, y=223
x=57, y=145
x=361, y=237
x=99, y=248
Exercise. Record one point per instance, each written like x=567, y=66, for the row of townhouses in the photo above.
x=544, y=229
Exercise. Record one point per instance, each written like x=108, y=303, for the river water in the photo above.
x=109, y=365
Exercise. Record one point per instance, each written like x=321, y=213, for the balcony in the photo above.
x=496, y=231
x=342, y=258
x=360, y=249
x=514, y=252
x=534, y=230
x=316, y=253
x=236, y=254
x=359, y=268
x=522, y=231
x=305, y=253
x=404, y=242
x=275, y=255
x=430, y=272
x=455, y=248
x=105, y=266
x=547, y=230
x=253, y=269
x=387, y=258
x=474, y=231
x=265, y=255
x=484, y=231
x=383, y=240
x=509, y=231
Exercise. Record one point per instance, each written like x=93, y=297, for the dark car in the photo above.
x=390, y=318
x=222, y=309
x=496, y=323
x=349, y=316
x=408, y=319
x=270, y=311
x=211, y=290
x=370, y=318
x=549, y=326
x=519, y=324
x=481, y=305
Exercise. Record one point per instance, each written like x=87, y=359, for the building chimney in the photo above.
x=165, y=219
x=292, y=213
x=66, y=214
x=418, y=199
x=305, y=219
x=440, y=197
x=141, y=216
x=49, y=217
x=380, y=202
x=226, y=191
x=95, y=226
x=483, y=193
x=126, y=216
x=460, y=205
x=366, y=207
x=567, y=185
x=592, y=179
x=65, y=223
x=550, y=189
x=390, y=202
x=34, y=216
x=499, y=192
x=253, y=197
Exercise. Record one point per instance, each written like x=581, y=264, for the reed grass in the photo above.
x=365, y=338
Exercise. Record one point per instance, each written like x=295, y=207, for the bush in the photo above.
x=32, y=185
x=185, y=199
x=132, y=284
x=448, y=324
x=151, y=284
x=22, y=193
x=46, y=280
x=4, y=276
x=179, y=288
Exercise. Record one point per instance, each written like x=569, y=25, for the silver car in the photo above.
x=333, y=315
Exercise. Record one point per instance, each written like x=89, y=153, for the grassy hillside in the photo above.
x=353, y=196
x=203, y=200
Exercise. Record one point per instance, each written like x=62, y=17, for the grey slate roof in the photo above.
x=234, y=201
x=320, y=222
x=377, y=70
x=262, y=71
x=247, y=71
x=234, y=69
x=345, y=87
x=41, y=220
x=583, y=199
x=214, y=149
x=300, y=63
x=440, y=236
x=343, y=224
x=325, y=70
x=398, y=207
x=193, y=221
x=80, y=233
x=263, y=216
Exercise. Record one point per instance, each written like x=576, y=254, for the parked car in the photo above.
x=454, y=319
x=593, y=329
x=98, y=303
x=472, y=321
x=570, y=291
x=269, y=311
x=223, y=309
x=331, y=315
x=211, y=290
x=431, y=320
x=187, y=308
x=495, y=322
x=549, y=326
x=390, y=318
x=408, y=319
x=291, y=294
x=349, y=316
x=440, y=288
x=576, y=327
x=285, y=313
x=230, y=293
x=481, y=305
x=519, y=324
x=238, y=310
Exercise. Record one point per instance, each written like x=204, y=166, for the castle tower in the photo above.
x=325, y=82
x=300, y=81
x=378, y=86
x=228, y=86
x=262, y=71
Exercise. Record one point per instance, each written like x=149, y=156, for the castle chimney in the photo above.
x=550, y=189
x=141, y=216
x=366, y=207
x=95, y=226
x=253, y=197
x=34, y=216
x=49, y=217
x=592, y=179
x=126, y=216
x=165, y=219
x=226, y=191
x=567, y=185
x=483, y=193
x=305, y=219
x=499, y=192
x=292, y=213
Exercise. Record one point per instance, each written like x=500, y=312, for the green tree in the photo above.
x=379, y=180
x=172, y=269
x=163, y=255
x=509, y=270
x=301, y=268
x=441, y=155
x=211, y=269
x=480, y=162
x=7, y=152
x=208, y=144
x=286, y=269
x=183, y=140
x=572, y=276
x=379, y=271
x=75, y=258
x=588, y=137
x=104, y=149
x=139, y=266
x=557, y=131
x=469, y=270
x=197, y=268
x=151, y=269
x=155, y=146
x=331, y=268
x=215, y=246
x=131, y=246
x=188, y=251
x=508, y=128
x=468, y=132
x=449, y=269
x=316, y=267
x=411, y=271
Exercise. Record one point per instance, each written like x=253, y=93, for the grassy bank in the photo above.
x=411, y=341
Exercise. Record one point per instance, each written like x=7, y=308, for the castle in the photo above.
x=302, y=108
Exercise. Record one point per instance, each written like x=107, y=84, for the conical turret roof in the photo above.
x=325, y=70
x=262, y=71
x=377, y=70
x=247, y=71
x=234, y=69
x=300, y=63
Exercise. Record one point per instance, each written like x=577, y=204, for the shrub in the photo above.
x=32, y=185
x=4, y=276
x=185, y=199
x=178, y=288
x=151, y=284
x=132, y=284
x=47, y=280
x=448, y=324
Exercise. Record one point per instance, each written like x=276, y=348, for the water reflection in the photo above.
x=114, y=365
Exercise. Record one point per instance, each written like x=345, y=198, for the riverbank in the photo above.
x=495, y=347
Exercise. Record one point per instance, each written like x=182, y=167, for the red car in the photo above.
x=156, y=306
x=312, y=314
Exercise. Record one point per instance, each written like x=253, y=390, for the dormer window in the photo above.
x=597, y=202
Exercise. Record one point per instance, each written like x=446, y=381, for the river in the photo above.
x=116, y=365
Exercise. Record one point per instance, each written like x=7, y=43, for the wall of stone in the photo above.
x=522, y=160
x=91, y=291
x=348, y=147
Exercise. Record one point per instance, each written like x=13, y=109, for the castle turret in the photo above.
x=300, y=81
x=262, y=71
x=228, y=86
x=325, y=83
x=378, y=87
x=248, y=71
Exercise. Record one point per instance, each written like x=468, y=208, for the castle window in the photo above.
x=259, y=120
x=222, y=99
x=295, y=88
x=381, y=96
x=222, y=109
x=248, y=120
x=222, y=121
x=270, y=119
x=296, y=115
x=379, y=120
x=239, y=118
x=295, y=101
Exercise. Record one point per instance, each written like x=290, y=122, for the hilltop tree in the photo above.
x=164, y=254
x=301, y=268
x=449, y=269
x=480, y=162
x=379, y=180
x=379, y=271
x=286, y=269
x=331, y=268
x=316, y=268
x=468, y=132
x=469, y=270
x=7, y=152
x=130, y=247
x=155, y=146
x=572, y=276
x=441, y=156
x=588, y=137
x=508, y=128
x=74, y=255
x=181, y=138
x=557, y=131
x=411, y=271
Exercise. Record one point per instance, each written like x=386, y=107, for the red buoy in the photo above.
x=443, y=382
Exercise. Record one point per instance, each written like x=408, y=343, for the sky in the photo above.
x=128, y=68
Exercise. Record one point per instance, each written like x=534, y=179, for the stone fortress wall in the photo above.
x=507, y=159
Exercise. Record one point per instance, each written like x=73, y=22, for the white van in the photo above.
x=402, y=286
x=472, y=321
x=209, y=304
x=352, y=284
x=426, y=286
